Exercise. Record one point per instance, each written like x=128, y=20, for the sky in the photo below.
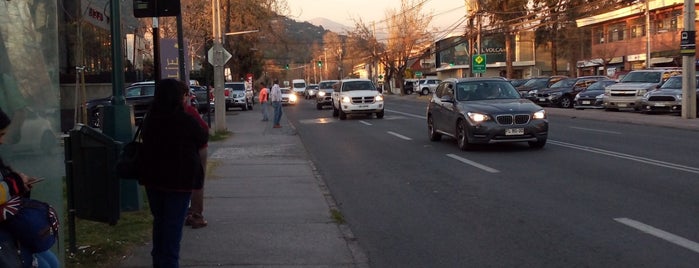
x=447, y=12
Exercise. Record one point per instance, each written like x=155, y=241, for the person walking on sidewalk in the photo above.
x=276, y=98
x=170, y=168
x=264, y=99
x=195, y=214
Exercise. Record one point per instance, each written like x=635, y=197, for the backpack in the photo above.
x=35, y=226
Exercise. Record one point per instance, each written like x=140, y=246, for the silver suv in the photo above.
x=427, y=86
x=325, y=91
x=629, y=92
x=238, y=96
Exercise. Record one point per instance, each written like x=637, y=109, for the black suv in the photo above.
x=138, y=95
x=563, y=92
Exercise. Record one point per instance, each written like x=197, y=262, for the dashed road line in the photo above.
x=469, y=162
x=672, y=238
x=399, y=136
x=365, y=122
x=597, y=130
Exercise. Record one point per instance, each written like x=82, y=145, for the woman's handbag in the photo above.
x=35, y=226
x=127, y=164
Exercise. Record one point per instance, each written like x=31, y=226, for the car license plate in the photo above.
x=586, y=102
x=659, y=105
x=542, y=99
x=621, y=105
x=363, y=106
x=514, y=131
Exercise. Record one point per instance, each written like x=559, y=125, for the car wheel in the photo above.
x=343, y=115
x=379, y=115
x=335, y=112
x=319, y=106
x=462, y=136
x=408, y=92
x=425, y=91
x=431, y=132
x=566, y=102
x=539, y=143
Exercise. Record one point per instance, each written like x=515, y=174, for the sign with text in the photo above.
x=478, y=64
x=688, y=43
x=170, y=60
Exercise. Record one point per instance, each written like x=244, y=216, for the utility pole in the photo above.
x=648, y=34
x=220, y=99
x=688, y=51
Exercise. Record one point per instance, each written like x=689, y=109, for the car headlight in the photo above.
x=378, y=98
x=292, y=98
x=576, y=97
x=321, y=93
x=540, y=114
x=346, y=99
x=555, y=94
x=678, y=97
x=478, y=117
x=310, y=92
x=600, y=96
x=645, y=96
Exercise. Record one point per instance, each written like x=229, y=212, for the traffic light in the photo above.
x=286, y=67
x=320, y=63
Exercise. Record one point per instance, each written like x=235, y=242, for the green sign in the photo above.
x=478, y=64
x=418, y=74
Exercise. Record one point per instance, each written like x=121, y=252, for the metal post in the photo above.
x=647, y=35
x=689, y=105
x=180, y=49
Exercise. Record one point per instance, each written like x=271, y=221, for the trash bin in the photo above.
x=93, y=187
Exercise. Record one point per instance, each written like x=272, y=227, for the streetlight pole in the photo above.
x=220, y=103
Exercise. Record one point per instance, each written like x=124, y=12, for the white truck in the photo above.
x=298, y=86
x=356, y=96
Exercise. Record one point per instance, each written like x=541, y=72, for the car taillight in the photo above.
x=226, y=92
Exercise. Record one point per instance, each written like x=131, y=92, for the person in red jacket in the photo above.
x=171, y=167
x=195, y=216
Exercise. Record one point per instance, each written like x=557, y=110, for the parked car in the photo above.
x=528, y=90
x=289, y=97
x=485, y=111
x=35, y=134
x=325, y=91
x=311, y=91
x=356, y=96
x=427, y=86
x=668, y=98
x=138, y=95
x=238, y=96
x=592, y=96
x=630, y=90
x=563, y=92
x=409, y=85
x=204, y=98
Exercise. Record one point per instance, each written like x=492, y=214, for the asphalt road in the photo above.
x=599, y=194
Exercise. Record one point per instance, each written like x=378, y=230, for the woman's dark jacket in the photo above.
x=170, y=156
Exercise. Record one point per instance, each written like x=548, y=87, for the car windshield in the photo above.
x=236, y=86
x=570, y=82
x=673, y=82
x=357, y=85
x=485, y=90
x=518, y=82
x=600, y=85
x=313, y=87
x=642, y=77
x=286, y=91
x=298, y=85
x=136, y=91
x=326, y=85
x=536, y=82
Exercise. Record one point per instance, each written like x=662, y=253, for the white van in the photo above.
x=298, y=86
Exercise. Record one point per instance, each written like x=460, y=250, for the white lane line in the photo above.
x=677, y=240
x=365, y=122
x=399, y=136
x=628, y=157
x=466, y=161
x=407, y=114
x=597, y=130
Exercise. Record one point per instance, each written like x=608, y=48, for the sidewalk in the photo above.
x=265, y=204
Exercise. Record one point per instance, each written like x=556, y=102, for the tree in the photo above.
x=509, y=18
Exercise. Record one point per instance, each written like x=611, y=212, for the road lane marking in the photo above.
x=399, y=136
x=675, y=239
x=365, y=122
x=628, y=157
x=597, y=130
x=407, y=114
x=466, y=161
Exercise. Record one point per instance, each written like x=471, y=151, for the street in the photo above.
x=599, y=194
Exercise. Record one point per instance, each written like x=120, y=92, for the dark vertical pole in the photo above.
x=180, y=48
x=156, y=51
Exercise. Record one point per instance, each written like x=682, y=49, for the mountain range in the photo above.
x=330, y=25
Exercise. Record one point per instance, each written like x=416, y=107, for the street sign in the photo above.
x=226, y=56
x=478, y=64
x=688, y=43
x=418, y=74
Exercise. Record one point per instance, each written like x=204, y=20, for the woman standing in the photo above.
x=171, y=167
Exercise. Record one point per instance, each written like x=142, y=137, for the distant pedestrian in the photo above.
x=264, y=99
x=171, y=167
x=195, y=214
x=276, y=98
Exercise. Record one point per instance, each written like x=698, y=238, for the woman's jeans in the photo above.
x=169, y=210
x=265, y=106
x=277, y=111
